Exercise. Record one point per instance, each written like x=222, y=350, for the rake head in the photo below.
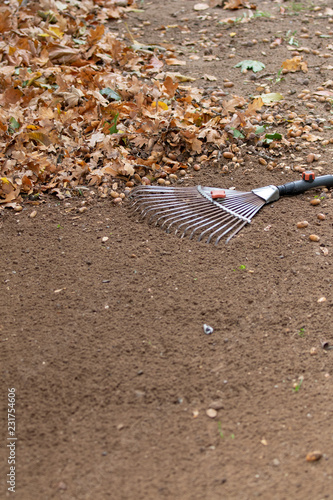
x=200, y=212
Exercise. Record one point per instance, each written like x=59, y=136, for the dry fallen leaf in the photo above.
x=210, y=78
x=295, y=64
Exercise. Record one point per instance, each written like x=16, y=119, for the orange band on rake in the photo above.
x=217, y=193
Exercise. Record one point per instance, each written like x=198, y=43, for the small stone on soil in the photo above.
x=313, y=456
x=314, y=237
x=211, y=413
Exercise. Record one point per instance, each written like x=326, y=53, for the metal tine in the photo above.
x=157, y=200
x=203, y=214
x=174, y=213
x=152, y=196
x=232, y=235
x=250, y=215
x=158, y=206
x=211, y=220
x=179, y=217
x=142, y=196
x=228, y=219
x=166, y=210
x=187, y=223
x=217, y=216
x=201, y=226
x=246, y=209
x=247, y=198
x=190, y=224
x=237, y=205
x=225, y=232
x=166, y=189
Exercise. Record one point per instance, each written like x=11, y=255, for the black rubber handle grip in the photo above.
x=301, y=186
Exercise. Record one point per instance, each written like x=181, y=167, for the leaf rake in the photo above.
x=211, y=213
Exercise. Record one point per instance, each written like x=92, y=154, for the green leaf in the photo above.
x=110, y=94
x=78, y=41
x=274, y=137
x=261, y=129
x=13, y=125
x=249, y=64
x=237, y=134
x=113, y=122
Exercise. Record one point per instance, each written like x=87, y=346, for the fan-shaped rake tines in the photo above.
x=192, y=211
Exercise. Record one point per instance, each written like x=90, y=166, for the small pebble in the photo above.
x=313, y=456
x=303, y=223
x=321, y=216
x=33, y=214
x=313, y=351
x=216, y=405
x=228, y=155
x=315, y=201
x=83, y=209
x=314, y=237
x=322, y=299
x=211, y=413
x=207, y=329
x=105, y=239
x=276, y=462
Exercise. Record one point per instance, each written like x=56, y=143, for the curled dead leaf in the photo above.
x=295, y=64
x=62, y=54
x=40, y=137
x=72, y=97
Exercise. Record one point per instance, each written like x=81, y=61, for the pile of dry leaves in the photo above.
x=79, y=107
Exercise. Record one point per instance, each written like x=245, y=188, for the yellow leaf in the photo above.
x=4, y=180
x=40, y=137
x=34, y=78
x=161, y=104
x=58, y=33
x=32, y=127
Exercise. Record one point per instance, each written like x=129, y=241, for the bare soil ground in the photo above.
x=104, y=342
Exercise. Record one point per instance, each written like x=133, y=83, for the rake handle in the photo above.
x=298, y=187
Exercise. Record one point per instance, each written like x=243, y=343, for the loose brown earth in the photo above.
x=104, y=342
